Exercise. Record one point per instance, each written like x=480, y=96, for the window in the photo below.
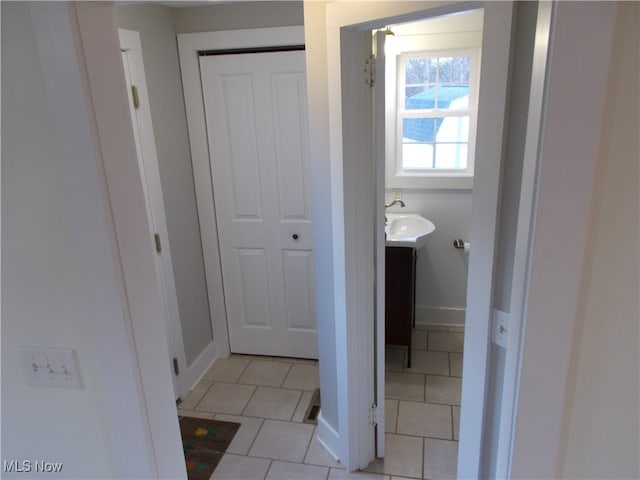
x=436, y=113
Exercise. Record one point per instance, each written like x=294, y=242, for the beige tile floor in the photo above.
x=269, y=396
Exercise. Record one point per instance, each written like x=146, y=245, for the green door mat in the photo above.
x=204, y=443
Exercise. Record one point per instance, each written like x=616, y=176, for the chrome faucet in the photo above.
x=397, y=200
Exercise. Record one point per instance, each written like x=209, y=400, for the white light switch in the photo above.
x=500, y=327
x=51, y=367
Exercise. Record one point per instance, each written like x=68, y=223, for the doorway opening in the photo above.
x=362, y=185
x=431, y=76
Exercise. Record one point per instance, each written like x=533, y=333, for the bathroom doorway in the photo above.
x=358, y=196
x=431, y=75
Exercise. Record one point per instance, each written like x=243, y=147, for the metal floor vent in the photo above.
x=311, y=415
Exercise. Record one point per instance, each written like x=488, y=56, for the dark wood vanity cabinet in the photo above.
x=400, y=279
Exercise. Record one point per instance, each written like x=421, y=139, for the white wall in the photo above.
x=570, y=147
x=60, y=279
x=157, y=34
x=441, y=271
x=602, y=410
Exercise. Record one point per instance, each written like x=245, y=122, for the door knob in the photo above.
x=294, y=236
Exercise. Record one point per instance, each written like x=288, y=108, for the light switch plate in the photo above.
x=51, y=367
x=500, y=327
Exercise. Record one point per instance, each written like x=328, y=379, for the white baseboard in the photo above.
x=328, y=437
x=201, y=365
x=439, y=316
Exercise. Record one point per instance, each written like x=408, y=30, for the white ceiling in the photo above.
x=459, y=22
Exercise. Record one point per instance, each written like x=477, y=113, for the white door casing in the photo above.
x=190, y=45
x=131, y=50
x=490, y=134
x=255, y=106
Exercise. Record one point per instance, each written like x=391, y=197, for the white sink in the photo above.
x=407, y=230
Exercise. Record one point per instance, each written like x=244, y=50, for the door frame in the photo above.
x=151, y=185
x=343, y=25
x=562, y=156
x=189, y=46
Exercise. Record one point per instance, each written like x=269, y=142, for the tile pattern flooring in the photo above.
x=269, y=397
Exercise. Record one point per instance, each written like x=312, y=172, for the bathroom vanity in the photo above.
x=404, y=234
x=400, y=293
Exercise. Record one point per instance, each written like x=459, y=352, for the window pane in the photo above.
x=454, y=69
x=419, y=97
x=445, y=66
x=451, y=156
x=453, y=97
x=417, y=156
x=444, y=97
x=419, y=129
x=421, y=71
x=453, y=129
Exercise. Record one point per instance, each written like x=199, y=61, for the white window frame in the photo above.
x=402, y=113
x=397, y=176
x=471, y=111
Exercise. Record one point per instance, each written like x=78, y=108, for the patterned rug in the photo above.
x=204, y=443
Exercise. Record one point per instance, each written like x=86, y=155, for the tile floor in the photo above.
x=269, y=397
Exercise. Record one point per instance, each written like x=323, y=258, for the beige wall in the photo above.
x=602, y=411
x=238, y=16
x=158, y=26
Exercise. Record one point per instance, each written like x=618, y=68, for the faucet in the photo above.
x=397, y=200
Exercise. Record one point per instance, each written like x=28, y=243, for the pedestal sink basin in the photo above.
x=407, y=230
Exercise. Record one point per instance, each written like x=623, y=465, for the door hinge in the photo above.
x=136, y=98
x=369, y=69
x=176, y=367
x=156, y=237
x=374, y=418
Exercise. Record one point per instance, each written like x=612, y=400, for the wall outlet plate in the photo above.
x=397, y=194
x=51, y=367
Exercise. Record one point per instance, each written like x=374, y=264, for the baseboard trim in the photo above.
x=328, y=437
x=440, y=316
x=201, y=365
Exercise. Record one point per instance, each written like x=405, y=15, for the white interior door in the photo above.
x=131, y=51
x=379, y=105
x=256, y=113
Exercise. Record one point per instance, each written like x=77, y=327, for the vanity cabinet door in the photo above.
x=400, y=265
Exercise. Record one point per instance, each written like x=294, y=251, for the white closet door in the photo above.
x=256, y=113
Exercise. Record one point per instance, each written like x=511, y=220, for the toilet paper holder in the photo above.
x=461, y=244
